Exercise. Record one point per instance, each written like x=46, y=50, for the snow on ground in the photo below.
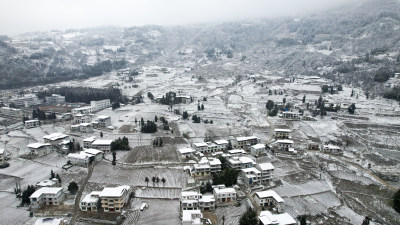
x=308, y=188
x=160, y=212
x=10, y=213
x=158, y=191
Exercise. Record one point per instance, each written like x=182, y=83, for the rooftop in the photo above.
x=90, y=139
x=47, y=191
x=102, y=142
x=266, y=166
x=38, y=145
x=246, y=138
x=258, y=146
x=221, y=142
x=282, y=130
x=268, y=194
x=55, y=136
x=186, y=150
x=266, y=217
x=286, y=141
x=93, y=197
x=224, y=190
x=92, y=151
x=114, y=192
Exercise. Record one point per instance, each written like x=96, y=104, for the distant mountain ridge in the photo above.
x=347, y=45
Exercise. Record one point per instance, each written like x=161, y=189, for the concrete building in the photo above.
x=47, y=196
x=245, y=142
x=192, y=217
x=55, y=138
x=332, y=149
x=99, y=105
x=87, y=142
x=79, y=159
x=239, y=163
x=224, y=194
x=257, y=150
x=269, y=199
x=291, y=115
x=26, y=101
x=102, y=145
x=267, y=172
x=282, y=133
x=284, y=145
x=114, y=199
x=206, y=166
x=55, y=98
x=91, y=202
x=40, y=149
x=267, y=218
x=11, y=112
x=102, y=122
x=186, y=152
x=31, y=123
x=207, y=202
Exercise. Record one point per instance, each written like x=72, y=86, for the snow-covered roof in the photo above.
x=31, y=121
x=258, y=146
x=93, y=197
x=92, y=151
x=268, y=194
x=89, y=139
x=236, y=151
x=245, y=159
x=207, y=198
x=224, y=190
x=267, y=218
x=80, y=155
x=190, y=193
x=331, y=147
x=221, y=142
x=46, y=183
x=65, y=142
x=251, y=169
x=285, y=141
x=200, y=144
x=266, y=166
x=102, y=117
x=48, y=221
x=214, y=161
x=1, y=151
x=282, y=130
x=246, y=138
x=55, y=136
x=85, y=124
x=102, y=142
x=38, y=145
x=114, y=192
x=186, y=150
x=47, y=191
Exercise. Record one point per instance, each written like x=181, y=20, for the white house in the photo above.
x=208, y=147
x=47, y=196
x=267, y=171
x=257, y=149
x=192, y=217
x=251, y=176
x=267, y=218
x=206, y=166
x=55, y=98
x=87, y=142
x=222, y=144
x=207, y=202
x=40, y=149
x=97, y=154
x=83, y=118
x=237, y=152
x=186, y=152
x=79, y=159
x=99, y=105
x=224, y=194
x=32, y=123
x=102, y=122
x=90, y=202
x=103, y=145
x=269, y=199
x=239, y=163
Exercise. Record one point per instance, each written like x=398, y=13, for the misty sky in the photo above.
x=18, y=16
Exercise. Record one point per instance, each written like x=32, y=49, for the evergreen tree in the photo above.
x=185, y=115
x=163, y=180
x=202, y=107
x=58, y=178
x=396, y=201
x=52, y=174
x=270, y=105
x=153, y=179
x=304, y=99
x=155, y=119
x=114, y=160
x=135, y=120
x=101, y=134
x=229, y=146
x=73, y=187
x=352, y=108
x=249, y=218
x=146, y=180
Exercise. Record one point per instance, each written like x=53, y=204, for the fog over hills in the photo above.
x=350, y=45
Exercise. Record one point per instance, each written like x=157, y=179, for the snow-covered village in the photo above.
x=195, y=126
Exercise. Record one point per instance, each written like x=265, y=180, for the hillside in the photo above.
x=349, y=45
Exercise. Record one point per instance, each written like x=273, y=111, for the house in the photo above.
x=86, y=128
x=85, y=118
x=207, y=202
x=91, y=202
x=64, y=146
x=208, y=147
x=114, y=199
x=267, y=218
x=237, y=152
x=291, y=115
x=82, y=110
x=245, y=142
x=215, y=165
x=102, y=122
x=239, y=163
x=47, y=196
x=32, y=123
x=202, y=168
x=26, y=101
x=285, y=144
x=267, y=171
x=250, y=176
x=97, y=154
x=55, y=98
x=79, y=159
x=103, y=145
x=11, y=112
x=224, y=194
x=257, y=149
x=186, y=152
x=48, y=183
x=40, y=149
x=192, y=217
x=75, y=128
x=332, y=149
x=55, y=138
x=222, y=144
x=269, y=199
x=99, y=105
x=87, y=142
x=282, y=133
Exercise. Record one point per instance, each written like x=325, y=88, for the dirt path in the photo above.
x=75, y=212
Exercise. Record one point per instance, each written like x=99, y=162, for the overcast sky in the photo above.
x=18, y=16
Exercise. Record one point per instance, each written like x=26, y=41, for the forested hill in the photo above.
x=354, y=45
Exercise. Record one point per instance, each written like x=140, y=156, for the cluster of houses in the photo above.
x=86, y=123
x=273, y=202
